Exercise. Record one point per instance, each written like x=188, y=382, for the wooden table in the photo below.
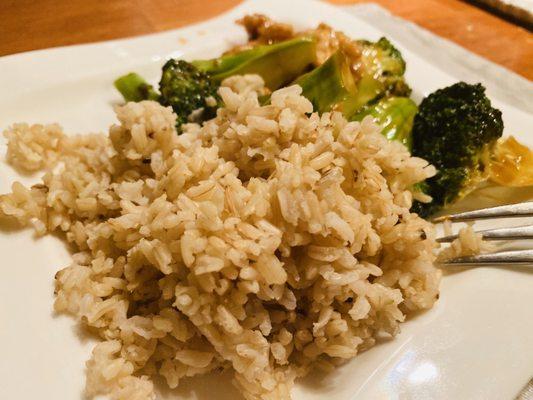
x=36, y=24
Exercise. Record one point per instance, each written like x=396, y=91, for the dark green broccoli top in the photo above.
x=186, y=89
x=455, y=130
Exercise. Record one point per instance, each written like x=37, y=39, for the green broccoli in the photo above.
x=133, y=87
x=330, y=86
x=456, y=130
x=186, y=89
x=382, y=72
x=191, y=93
x=189, y=87
x=278, y=64
x=334, y=86
x=395, y=115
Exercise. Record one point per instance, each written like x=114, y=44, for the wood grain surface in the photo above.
x=36, y=24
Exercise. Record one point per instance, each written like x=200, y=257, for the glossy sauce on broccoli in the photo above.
x=382, y=72
x=395, y=115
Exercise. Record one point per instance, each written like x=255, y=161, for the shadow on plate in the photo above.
x=320, y=381
x=488, y=195
x=523, y=269
x=9, y=225
x=215, y=385
x=83, y=333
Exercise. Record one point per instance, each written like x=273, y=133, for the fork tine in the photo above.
x=519, y=232
x=512, y=210
x=516, y=257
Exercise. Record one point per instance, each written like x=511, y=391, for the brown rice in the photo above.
x=267, y=241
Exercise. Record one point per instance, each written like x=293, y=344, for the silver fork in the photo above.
x=515, y=257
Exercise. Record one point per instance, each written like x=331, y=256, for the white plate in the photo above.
x=476, y=343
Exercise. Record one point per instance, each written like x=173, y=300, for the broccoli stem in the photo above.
x=278, y=64
x=334, y=86
x=133, y=87
x=395, y=115
x=330, y=86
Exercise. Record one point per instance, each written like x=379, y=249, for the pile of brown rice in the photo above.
x=267, y=241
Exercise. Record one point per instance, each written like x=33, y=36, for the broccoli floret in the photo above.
x=455, y=129
x=395, y=115
x=187, y=89
x=133, y=87
x=190, y=92
x=382, y=71
x=389, y=57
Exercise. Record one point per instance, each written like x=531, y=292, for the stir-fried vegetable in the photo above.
x=383, y=69
x=278, y=64
x=187, y=89
x=133, y=87
x=183, y=87
x=330, y=86
x=456, y=130
x=334, y=86
x=395, y=115
x=192, y=87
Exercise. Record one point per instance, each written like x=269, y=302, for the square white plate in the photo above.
x=475, y=344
